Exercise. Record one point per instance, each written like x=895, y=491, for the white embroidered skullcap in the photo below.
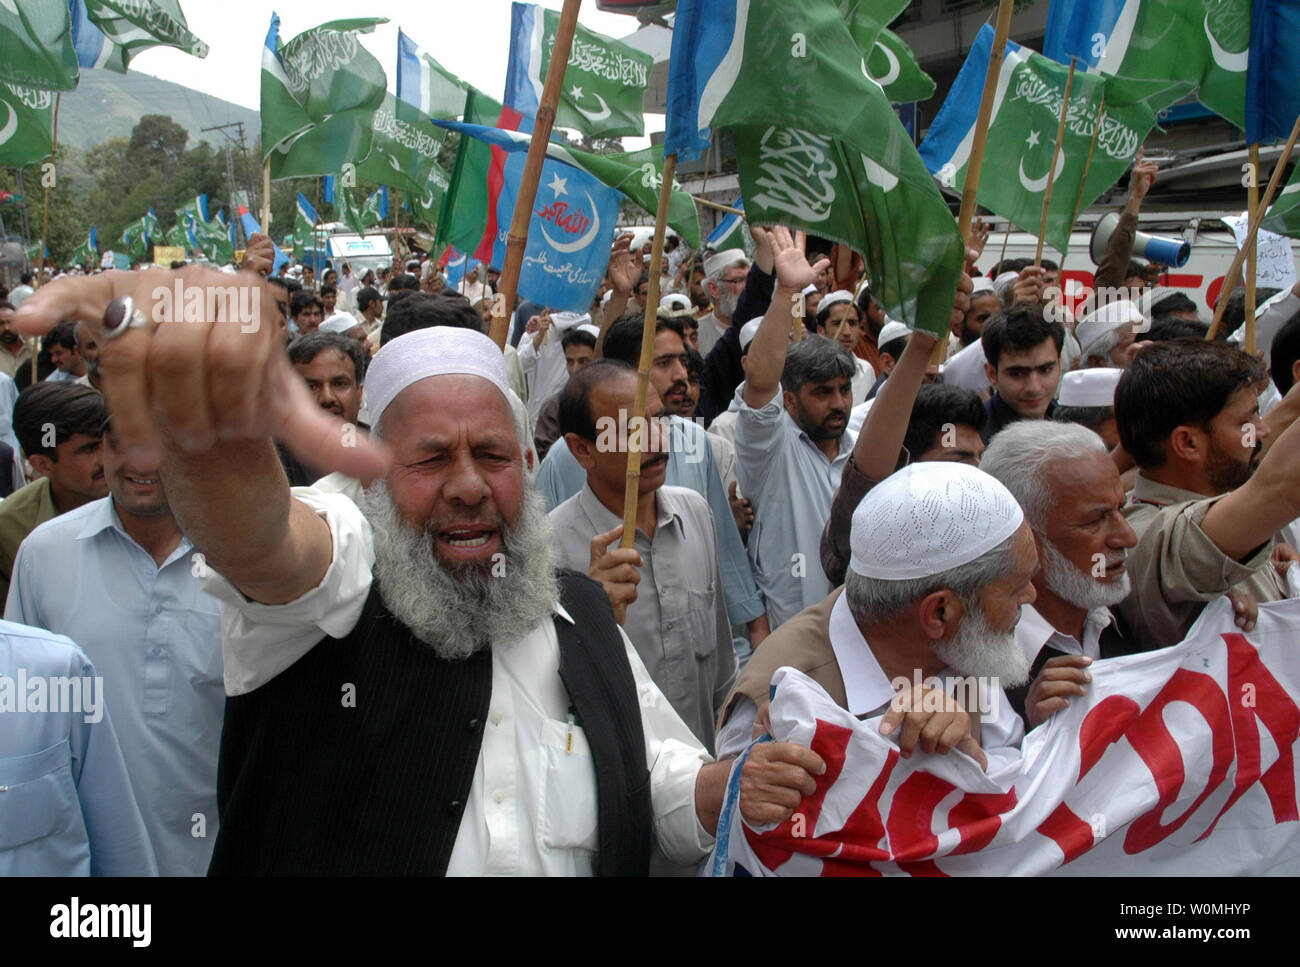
x=674, y=303
x=835, y=298
x=890, y=331
x=929, y=518
x=339, y=322
x=1153, y=296
x=1090, y=387
x=1004, y=279
x=748, y=331
x=809, y=290
x=714, y=264
x=981, y=283
x=1106, y=319
x=440, y=351
x=589, y=329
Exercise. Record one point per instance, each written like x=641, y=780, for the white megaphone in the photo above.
x=1165, y=249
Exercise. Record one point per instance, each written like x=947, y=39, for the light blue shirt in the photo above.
x=155, y=637
x=791, y=484
x=690, y=465
x=66, y=805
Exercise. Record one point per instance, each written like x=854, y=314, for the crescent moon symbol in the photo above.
x=594, y=115
x=1228, y=61
x=891, y=75
x=586, y=239
x=11, y=125
x=1038, y=185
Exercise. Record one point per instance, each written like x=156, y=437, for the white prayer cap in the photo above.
x=714, y=264
x=564, y=321
x=981, y=283
x=1005, y=279
x=862, y=287
x=890, y=331
x=604, y=300
x=1153, y=296
x=748, y=331
x=339, y=322
x=835, y=298
x=674, y=303
x=440, y=351
x=929, y=518
x=809, y=290
x=1101, y=321
x=1090, y=387
x=589, y=329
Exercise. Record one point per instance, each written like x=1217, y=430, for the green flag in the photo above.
x=425, y=206
x=213, y=240
x=819, y=146
x=320, y=92
x=130, y=26
x=893, y=66
x=1283, y=216
x=404, y=146
x=1022, y=135
x=425, y=84
x=26, y=132
x=638, y=174
x=604, y=84
x=375, y=209
x=464, y=214
x=38, y=50
x=346, y=209
x=178, y=236
x=87, y=253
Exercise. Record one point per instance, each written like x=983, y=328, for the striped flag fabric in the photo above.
x=1176, y=762
x=425, y=84
x=108, y=33
x=730, y=231
x=1272, y=95
x=27, y=131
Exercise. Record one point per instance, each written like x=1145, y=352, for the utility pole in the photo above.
x=230, y=174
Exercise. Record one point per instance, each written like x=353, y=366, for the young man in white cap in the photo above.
x=579, y=345
x=941, y=565
x=541, y=354
x=724, y=279
x=1088, y=398
x=353, y=635
x=1106, y=335
x=837, y=318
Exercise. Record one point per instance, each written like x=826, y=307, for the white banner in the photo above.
x=1177, y=762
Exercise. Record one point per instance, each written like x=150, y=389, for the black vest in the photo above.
x=358, y=758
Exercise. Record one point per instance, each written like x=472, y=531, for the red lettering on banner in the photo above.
x=1103, y=726
x=911, y=821
x=1068, y=831
x=1280, y=714
x=978, y=817
x=860, y=837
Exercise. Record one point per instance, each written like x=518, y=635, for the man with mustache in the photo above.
x=792, y=441
x=413, y=687
x=725, y=275
x=14, y=352
x=666, y=590
x=334, y=369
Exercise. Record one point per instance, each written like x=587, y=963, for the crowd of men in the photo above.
x=357, y=588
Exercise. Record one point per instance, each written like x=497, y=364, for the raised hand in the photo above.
x=793, y=272
x=616, y=570
x=1143, y=177
x=624, y=267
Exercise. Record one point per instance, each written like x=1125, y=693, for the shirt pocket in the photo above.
x=567, y=813
x=37, y=796
x=702, y=622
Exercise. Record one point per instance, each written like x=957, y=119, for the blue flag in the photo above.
x=327, y=189
x=1272, y=94
x=1080, y=29
x=701, y=40
x=457, y=266
x=721, y=236
x=572, y=226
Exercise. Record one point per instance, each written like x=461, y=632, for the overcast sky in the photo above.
x=471, y=38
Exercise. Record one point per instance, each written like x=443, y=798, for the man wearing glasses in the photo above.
x=724, y=279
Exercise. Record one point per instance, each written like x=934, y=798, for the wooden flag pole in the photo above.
x=517, y=241
x=1051, y=172
x=1006, y=237
x=647, y=353
x=976, y=162
x=1252, y=196
x=1087, y=166
x=45, y=221
x=717, y=207
x=1234, y=271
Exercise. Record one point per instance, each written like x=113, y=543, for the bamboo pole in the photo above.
x=718, y=207
x=1234, y=271
x=266, y=197
x=517, y=240
x=1252, y=202
x=1051, y=172
x=647, y=353
x=45, y=221
x=976, y=161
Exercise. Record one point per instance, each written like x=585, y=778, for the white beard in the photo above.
x=976, y=650
x=459, y=611
x=725, y=305
x=1077, y=587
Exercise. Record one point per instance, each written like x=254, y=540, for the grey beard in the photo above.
x=459, y=611
x=725, y=307
x=1077, y=587
x=977, y=650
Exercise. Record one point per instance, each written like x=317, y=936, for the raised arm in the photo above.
x=205, y=398
x=1250, y=515
x=768, y=350
x=624, y=273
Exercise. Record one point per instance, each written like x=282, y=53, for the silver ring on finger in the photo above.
x=122, y=315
